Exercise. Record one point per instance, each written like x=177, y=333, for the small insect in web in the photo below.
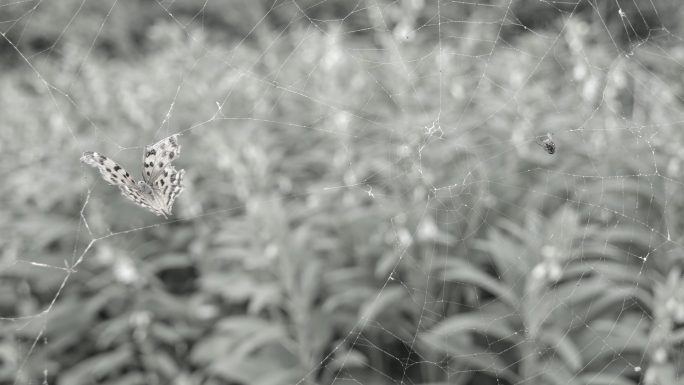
x=547, y=144
x=161, y=182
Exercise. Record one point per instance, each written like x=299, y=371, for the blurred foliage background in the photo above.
x=364, y=200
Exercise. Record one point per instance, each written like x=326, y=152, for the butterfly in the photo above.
x=161, y=182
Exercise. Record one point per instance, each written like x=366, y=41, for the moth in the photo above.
x=160, y=184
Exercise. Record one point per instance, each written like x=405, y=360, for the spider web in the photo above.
x=369, y=198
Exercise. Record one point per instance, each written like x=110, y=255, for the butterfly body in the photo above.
x=161, y=182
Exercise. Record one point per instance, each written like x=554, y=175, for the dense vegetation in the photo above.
x=361, y=206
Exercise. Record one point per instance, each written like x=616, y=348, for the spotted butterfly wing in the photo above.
x=110, y=170
x=157, y=156
x=117, y=176
x=167, y=187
